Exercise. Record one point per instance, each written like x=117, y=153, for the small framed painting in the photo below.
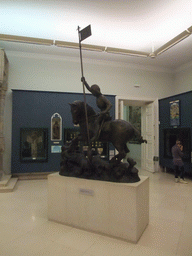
x=174, y=113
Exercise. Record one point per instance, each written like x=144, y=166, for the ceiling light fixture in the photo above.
x=29, y=40
x=172, y=42
x=126, y=52
x=72, y=45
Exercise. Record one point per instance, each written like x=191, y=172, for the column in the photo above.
x=2, y=139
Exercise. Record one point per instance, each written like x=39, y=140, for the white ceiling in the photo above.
x=141, y=25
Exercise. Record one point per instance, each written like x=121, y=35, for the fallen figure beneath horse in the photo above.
x=118, y=132
x=76, y=164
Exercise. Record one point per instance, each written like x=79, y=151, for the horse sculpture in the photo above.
x=118, y=132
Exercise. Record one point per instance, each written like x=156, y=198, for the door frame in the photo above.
x=141, y=101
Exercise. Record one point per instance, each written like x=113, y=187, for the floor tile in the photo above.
x=50, y=230
x=33, y=246
x=78, y=239
x=185, y=242
x=163, y=236
x=106, y=246
x=148, y=251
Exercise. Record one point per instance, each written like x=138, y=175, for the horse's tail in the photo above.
x=141, y=140
x=138, y=135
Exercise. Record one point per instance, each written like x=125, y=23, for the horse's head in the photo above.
x=78, y=111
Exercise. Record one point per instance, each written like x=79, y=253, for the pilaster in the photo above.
x=3, y=89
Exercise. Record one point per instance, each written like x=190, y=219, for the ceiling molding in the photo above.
x=126, y=52
x=172, y=42
x=76, y=46
x=190, y=29
x=29, y=40
x=40, y=41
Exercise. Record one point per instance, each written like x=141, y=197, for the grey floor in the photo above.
x=25, y=229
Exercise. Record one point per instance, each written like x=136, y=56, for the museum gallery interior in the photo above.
x=97, y=180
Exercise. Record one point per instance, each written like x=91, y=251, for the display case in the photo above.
x=102, y=148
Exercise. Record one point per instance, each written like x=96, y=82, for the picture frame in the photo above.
x=56, y=127
x=33, y=144
x=174, y=107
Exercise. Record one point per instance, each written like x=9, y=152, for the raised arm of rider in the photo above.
x=85, y=83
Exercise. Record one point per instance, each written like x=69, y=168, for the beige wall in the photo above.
x=183, y=79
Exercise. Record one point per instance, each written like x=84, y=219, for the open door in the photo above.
x=149, y=129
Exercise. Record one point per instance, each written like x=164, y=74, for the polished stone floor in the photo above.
x=26, y=231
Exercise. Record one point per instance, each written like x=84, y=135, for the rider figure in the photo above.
x=102, y=103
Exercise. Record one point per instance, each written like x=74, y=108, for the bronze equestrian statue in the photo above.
x=118, y=131
x=75, y=163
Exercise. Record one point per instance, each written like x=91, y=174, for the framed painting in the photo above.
x=174, y=113
x=56, y=127
x=34, y=144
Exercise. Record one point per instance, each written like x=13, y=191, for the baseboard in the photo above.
x=31, y=176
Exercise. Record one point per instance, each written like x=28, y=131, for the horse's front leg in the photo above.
x=117, y=158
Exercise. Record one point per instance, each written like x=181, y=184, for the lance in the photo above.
x=83, y=34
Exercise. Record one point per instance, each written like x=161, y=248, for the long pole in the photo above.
x=85, y=104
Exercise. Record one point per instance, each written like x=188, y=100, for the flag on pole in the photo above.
x=84, y=33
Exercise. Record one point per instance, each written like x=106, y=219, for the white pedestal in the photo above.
x=115, y=209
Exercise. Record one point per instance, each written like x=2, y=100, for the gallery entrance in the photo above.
x=146, y=154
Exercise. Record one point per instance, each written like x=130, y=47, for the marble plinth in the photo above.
x=7, y=184
x=115, y=209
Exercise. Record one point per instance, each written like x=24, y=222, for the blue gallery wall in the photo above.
x=185, y=100
x=34, y=109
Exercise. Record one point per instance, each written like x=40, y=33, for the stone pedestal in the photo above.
x=116, y=209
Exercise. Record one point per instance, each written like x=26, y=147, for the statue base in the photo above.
x=115, y=209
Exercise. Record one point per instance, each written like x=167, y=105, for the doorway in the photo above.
x=147, y=156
